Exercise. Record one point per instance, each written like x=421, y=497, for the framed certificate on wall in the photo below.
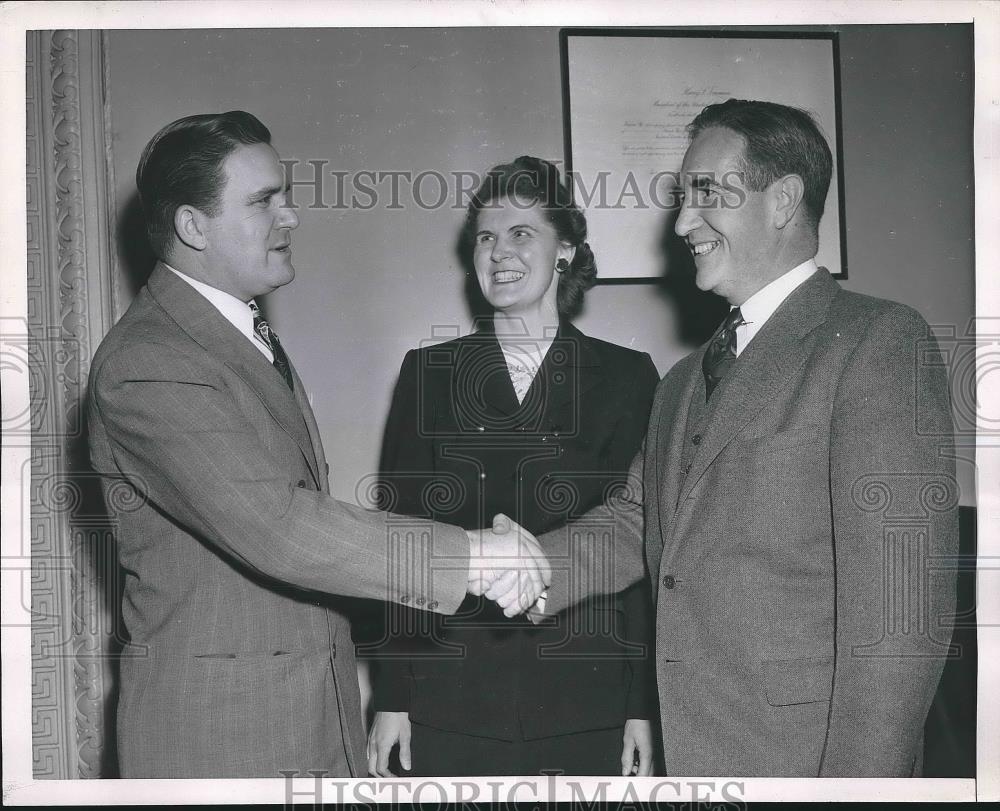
x=628, y=96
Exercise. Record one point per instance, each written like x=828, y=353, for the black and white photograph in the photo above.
x=465, y=402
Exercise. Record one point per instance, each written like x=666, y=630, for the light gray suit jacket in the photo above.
x=240, y=664
x=796, y=534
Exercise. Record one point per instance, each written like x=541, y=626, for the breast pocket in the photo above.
x=787, y=475
x=791, y=441
x=777, y=493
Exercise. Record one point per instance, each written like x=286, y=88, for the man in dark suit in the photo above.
x=795, y=484
x=238, y=665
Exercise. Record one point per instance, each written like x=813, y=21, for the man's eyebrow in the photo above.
x=270, y=191
x=704, y=181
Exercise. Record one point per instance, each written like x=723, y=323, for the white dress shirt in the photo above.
x=236, y=312
x=762, y=304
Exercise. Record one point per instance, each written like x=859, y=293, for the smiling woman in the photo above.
x=523, y=229
x=531, y=418
x=516, y=251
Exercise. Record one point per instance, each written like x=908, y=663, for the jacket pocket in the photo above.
x=798, y=681
x=255, y=659
x=764, y=444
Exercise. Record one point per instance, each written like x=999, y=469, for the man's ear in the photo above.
x=789, y=192
x=189, y=227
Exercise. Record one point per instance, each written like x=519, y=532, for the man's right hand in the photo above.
x=388, y=729
x=507, y=565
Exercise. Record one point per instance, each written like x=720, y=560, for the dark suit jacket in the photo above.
x=238, y=665
x=459, y=448
x=796, y=532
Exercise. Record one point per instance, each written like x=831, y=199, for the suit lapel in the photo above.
x=570, y=368
x=205, y=325
x=763, y=367
x=489, y=387
x=321, y=471
x=670, y=430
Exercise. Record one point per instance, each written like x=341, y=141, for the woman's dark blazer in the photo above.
x=458, y=447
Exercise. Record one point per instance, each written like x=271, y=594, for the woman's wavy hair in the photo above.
x=533, y=180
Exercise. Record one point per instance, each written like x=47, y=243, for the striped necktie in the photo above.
x=270, y=339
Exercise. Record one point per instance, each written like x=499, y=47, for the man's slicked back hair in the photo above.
x=182, y=165
x=780, y=140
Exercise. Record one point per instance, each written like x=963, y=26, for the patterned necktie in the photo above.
x=721, y=352
x=270, y=339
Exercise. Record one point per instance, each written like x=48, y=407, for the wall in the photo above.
x=372, y=284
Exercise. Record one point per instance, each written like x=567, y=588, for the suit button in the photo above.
x=696, y=439
x=687, y=469
x=668, y=581
x=405, y=598
x=302, y=483
x=420, y=601
x=482, y=475
x=432, y=605
x=333, y=651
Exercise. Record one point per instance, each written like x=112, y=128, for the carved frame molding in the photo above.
x=72, y=294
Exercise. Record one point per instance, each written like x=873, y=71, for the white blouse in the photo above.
x=524, y=358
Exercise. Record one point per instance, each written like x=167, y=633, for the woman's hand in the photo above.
x=637, y=739
x=388, y=729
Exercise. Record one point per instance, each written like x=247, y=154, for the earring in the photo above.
x=562, y=266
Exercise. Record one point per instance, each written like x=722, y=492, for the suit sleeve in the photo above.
x=894, y=508
x=178, y=433
x=602, y=551
x=406, y=451
x=636, y=600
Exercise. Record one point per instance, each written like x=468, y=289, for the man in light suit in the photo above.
x=794, y=489
x=238, y=664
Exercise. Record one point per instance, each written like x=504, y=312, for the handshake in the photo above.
x=507, y=566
